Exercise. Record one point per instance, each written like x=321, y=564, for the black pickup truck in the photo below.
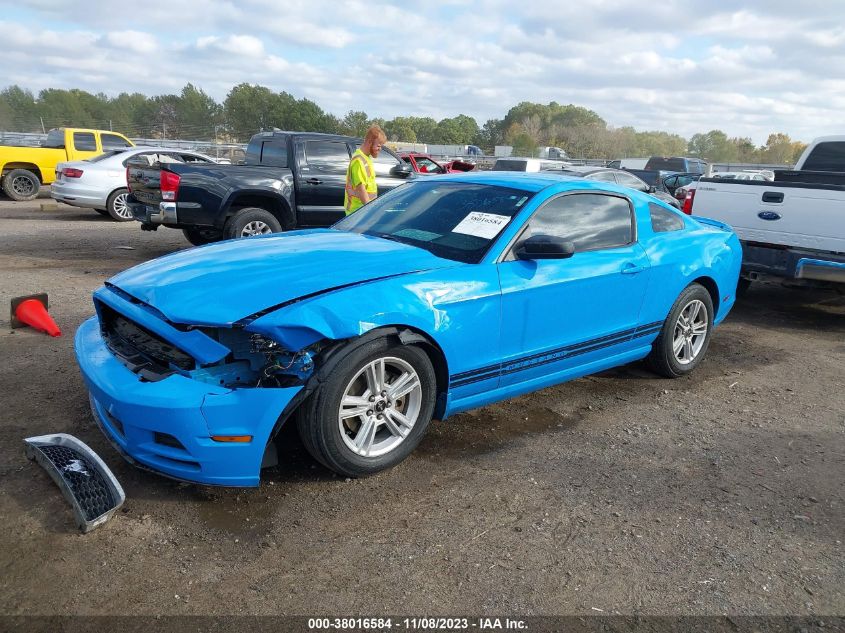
x=289, y=180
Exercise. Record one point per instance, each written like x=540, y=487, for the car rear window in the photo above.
x=510, y=165
x=828, y=156
x=666, y=164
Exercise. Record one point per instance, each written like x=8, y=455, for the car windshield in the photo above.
x=453, y=220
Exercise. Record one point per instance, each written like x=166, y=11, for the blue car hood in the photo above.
x=222, y=283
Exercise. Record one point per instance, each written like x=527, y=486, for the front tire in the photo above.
x=372, y=410
x=685, y=335
x=21, y=185
x=116, y=206
x=251, y=221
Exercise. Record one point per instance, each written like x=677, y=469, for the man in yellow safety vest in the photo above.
x=360, y=175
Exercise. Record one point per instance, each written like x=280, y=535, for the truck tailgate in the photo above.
x=772, y=213
x=144, y=183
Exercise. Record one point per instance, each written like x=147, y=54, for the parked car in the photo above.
x=425, y=164
x=99, y=183
x=24, y=169
x=791, y=229
x=676, y=164
x=526, y=164
x=617, y=176
x=290, y=180
x=444, y=295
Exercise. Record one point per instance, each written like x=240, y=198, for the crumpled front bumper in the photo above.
x=142, y=419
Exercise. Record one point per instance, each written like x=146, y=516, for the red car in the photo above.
x=425, y=164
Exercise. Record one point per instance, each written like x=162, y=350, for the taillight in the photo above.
x=169, y=186
x=688, y=202
x=70, y=172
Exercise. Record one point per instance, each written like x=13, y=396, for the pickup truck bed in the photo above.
x=793, y=230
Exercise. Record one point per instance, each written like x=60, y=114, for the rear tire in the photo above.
x=685, y=335
x=742, y=286
x=200, y=237
x=116, y=206
x=21, y=185
x=387, y=428
x=251, y=221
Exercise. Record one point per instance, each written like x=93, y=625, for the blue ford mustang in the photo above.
x=444, y=295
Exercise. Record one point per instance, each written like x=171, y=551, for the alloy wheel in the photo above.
x=690, y=332
x=380, y=406
x=256, y=227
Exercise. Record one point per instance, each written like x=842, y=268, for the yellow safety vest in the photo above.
x=360, y=170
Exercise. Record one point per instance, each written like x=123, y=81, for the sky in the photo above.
x=748, y=68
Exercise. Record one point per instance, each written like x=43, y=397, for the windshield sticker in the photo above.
x=486, y=225
x=521, y=201
x=417, y=234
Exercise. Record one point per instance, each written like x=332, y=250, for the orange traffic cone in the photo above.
x=32, y=311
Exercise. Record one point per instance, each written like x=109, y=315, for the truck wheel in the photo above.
x=742, y=286
x=116, y=206
x=21, y=185
x=251, y=221
x=685, y=335
x=199, y=237
x=372, y=410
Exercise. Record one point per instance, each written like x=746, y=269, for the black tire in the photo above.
x=245, y=222
x=662, y=358
x=199, y=237
x=116, y=206
x=742, y=287
x=21, y=185
x=318, y=418
x=103, y=212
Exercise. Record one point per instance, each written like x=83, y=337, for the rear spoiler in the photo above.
x=715, y=223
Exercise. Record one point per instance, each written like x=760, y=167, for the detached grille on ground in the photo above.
x=84, y=479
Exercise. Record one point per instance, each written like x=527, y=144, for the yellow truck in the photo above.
x=24, y=169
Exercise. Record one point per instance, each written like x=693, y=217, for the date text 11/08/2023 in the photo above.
x=416, y=624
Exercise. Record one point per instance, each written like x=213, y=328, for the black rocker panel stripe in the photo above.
x=543, y=358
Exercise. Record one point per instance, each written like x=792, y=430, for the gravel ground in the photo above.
x=718, y=493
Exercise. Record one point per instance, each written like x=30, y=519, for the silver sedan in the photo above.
x=99, y=183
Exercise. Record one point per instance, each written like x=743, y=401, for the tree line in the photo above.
x=247, y=109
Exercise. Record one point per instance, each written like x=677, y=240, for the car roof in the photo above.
x=527, y=181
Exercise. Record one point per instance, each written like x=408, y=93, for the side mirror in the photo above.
x=401, y=171
x=545, y=247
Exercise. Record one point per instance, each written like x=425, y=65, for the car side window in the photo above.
x=590, y=221
x=663, y=220
x=328, y=157
x=274, y=153
x=113, y=141
x=84, y=142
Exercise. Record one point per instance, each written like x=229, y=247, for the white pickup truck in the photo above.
x=792, y=228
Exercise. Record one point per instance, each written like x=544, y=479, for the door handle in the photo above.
x=773, y=196
x=314, y=181
x=632, y=269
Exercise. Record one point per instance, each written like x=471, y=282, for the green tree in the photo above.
x=355, y=123
x=197, y=114
x=249, y=109
x=22, y=105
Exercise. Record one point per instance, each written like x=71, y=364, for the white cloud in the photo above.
x=679, y=66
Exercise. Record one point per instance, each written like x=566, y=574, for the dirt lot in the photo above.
x=718, y=493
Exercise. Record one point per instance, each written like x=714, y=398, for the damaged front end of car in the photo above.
x=194, y=402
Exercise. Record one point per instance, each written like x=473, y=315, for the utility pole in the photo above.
x=42, y=125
